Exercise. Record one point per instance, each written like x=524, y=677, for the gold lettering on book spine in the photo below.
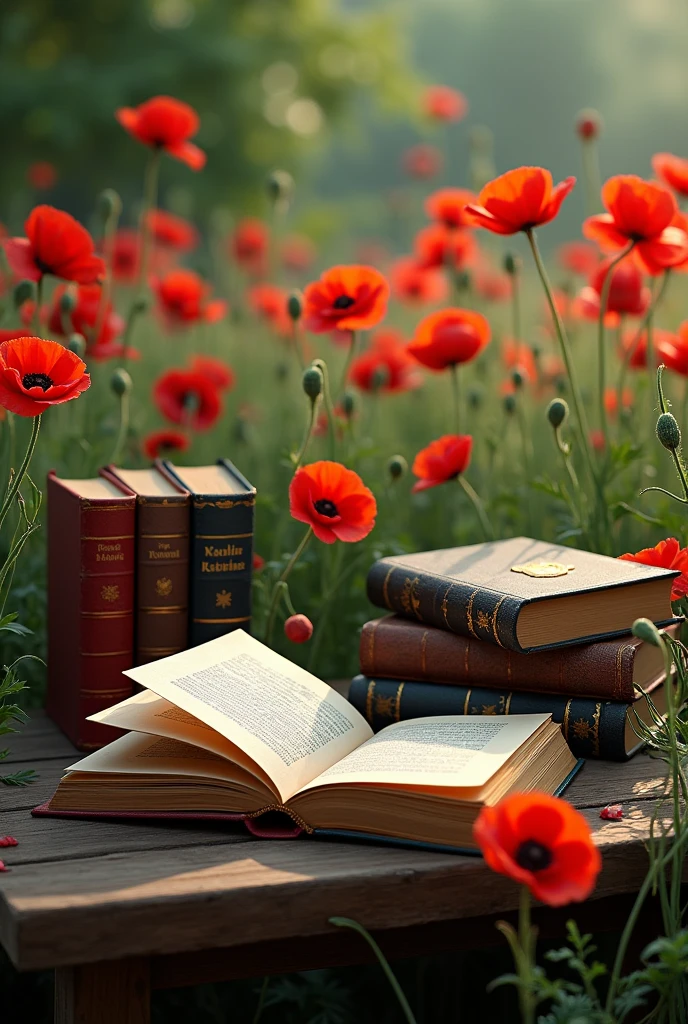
x=369, y=700
x=469, y=614
x=225, y=503
x=495, y=634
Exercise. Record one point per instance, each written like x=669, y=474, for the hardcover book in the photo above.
x=91, y=526
x=231, y=728
x=162, y=561
x=398, y=648
x=221, y=547
x=522, y=594
x=601, y=729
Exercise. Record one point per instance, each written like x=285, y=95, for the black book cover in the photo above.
x=220, y=556
x=592, y=728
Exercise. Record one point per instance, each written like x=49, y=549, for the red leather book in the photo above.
x=396, y=648
x=90, y=603
x=162, y=561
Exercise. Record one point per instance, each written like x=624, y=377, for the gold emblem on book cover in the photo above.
x=410, y=601
x=581, y=729
x=543, y=570
x=223, y=599
x=109, y=592
x=163, y=586
x=483, y=620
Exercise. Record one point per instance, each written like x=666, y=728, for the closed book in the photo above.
x=600, y=729
x=522, y=594
x=396, y=648
x=91, y=525
x=162, y=562
x=220, y=547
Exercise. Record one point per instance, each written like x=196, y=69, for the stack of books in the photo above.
x=516, y=627
x=142, y=564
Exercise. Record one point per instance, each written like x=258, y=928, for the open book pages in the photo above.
x=233, y=727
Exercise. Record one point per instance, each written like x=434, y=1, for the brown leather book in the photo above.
x=90, y=603
x=162, y=560
x=395, y=648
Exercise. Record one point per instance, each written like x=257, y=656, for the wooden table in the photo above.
x=120, y=909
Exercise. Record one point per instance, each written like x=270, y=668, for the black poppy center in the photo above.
x=42, y=266
x=325, y=507
x=37, y=380
x=533, y=856
x=344, y=302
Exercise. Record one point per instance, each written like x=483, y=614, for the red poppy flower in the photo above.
x=597, y=440
x=165, y=123
x=449, y=337
x=518, y=201
x=160, y=443
x=662, y=341
x=437, y=246
x=298, y=252
x=448, y=205
x=84, y=315
x=55, y=244
x=333, y=500
x=422, y=161
x=249, y=244
x=611, y=400
x=41, y=174
x=187, y=398
x=668, y=554
x=442, y=460
x=346, y=298
x=171, y=231
x=672, y=170
x=626, y=293
x=673, y=349
x=183, y=299
x=542, y=842
x=126, y=256
x=491, y=284
x=519, y=355
x=444, y=103
x=269, y=302
x=416, y=284
x=258, y=562
x=640, y=212
x=578, y=257
x=35, y=374
x=386, y=366
x=217, y=372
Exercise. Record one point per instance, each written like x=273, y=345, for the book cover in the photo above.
x=592, y=728
x=162, y=562
x=220, y=547
x=397, y=648
x=522, y=594
x=91, y=526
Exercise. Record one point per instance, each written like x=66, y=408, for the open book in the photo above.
x=233, y=729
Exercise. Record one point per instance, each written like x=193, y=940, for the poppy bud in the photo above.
x=24, y=291
x=513, y=264
x=668, y=432
x=509, y=404
x=295, y=305
x=67, y=302
x=647, y=631
x=121, y=383
x=557, y=411
x=518, y=378
x=348, y=404
x=298, y=629
x=109, y=205
x=280, y=186
x=588, y=124
x=397, y=466
x=475, y=397
x=312, y=382
x=76, y=343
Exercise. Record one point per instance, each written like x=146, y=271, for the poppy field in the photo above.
x=460, y=379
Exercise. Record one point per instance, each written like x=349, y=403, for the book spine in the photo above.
x=470, y=611
x=591, y=728
x=162, y=586
x=221, y=565
x=91, y=611
x=395, y=648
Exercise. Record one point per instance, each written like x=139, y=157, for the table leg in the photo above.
x=111, y=992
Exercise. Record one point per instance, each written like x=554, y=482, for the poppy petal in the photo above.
x=189, y=154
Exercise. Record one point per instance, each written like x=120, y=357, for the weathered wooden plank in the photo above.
x=50, y=839
x=27, y=745
x=106, y=993
x=17, y=798
x=641, y=778
x=164, y=901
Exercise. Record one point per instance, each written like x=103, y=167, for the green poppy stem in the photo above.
x=279, y=589
x=476, y=501
x=17, y=481
x=124, y=410
x=349, y=360
x=601, y=342
x=456, y=395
